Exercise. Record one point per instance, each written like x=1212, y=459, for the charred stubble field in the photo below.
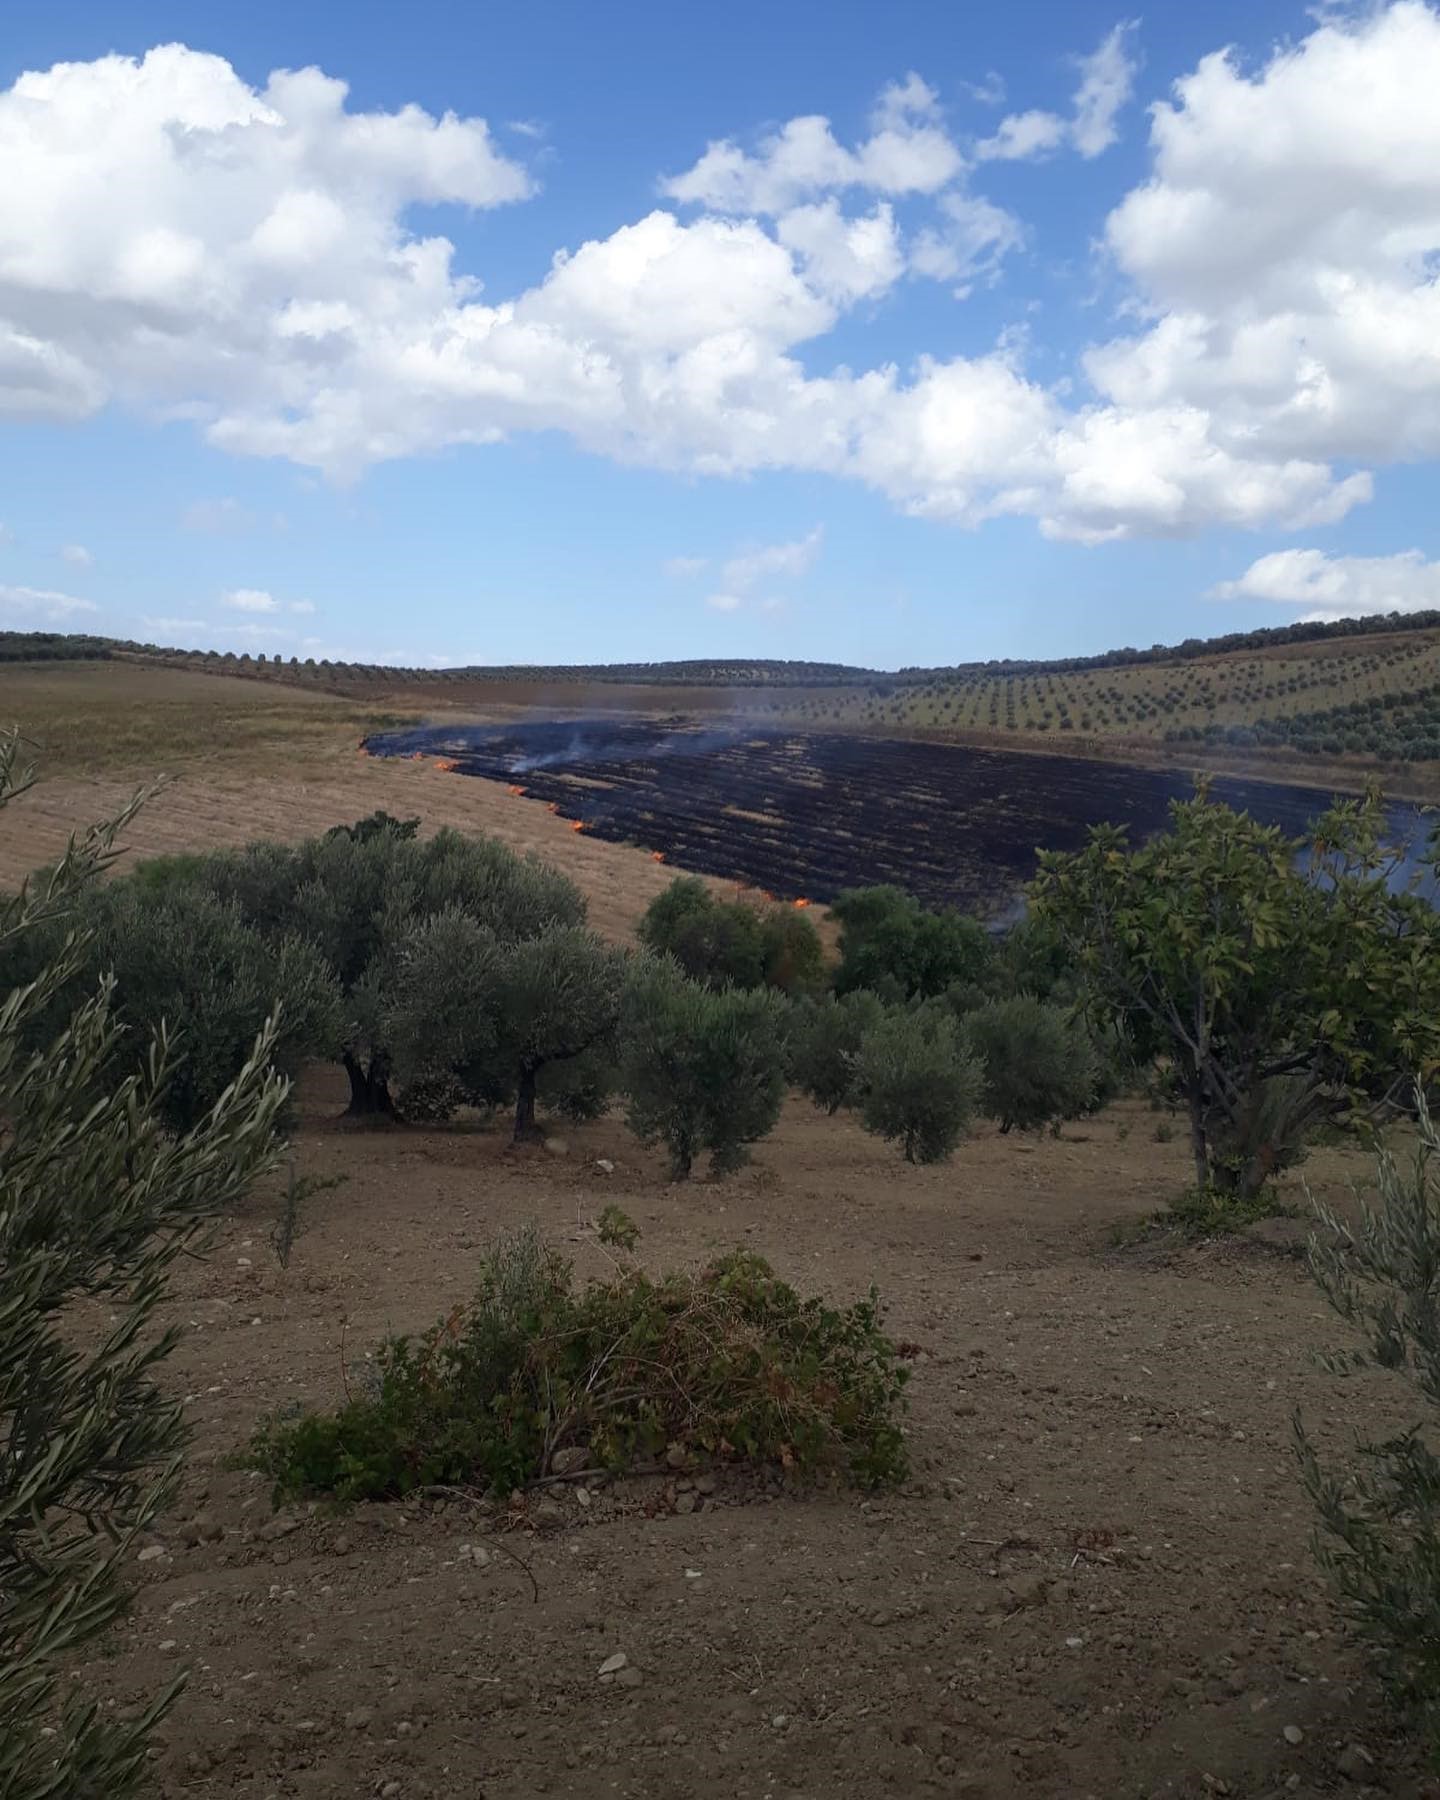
x=1096, y=1585
x=805, y=815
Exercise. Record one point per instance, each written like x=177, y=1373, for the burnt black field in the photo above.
x=808, y=813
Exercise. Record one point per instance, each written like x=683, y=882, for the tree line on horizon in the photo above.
x=23, y=646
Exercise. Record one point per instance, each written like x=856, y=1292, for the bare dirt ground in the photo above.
x=1098, y=1583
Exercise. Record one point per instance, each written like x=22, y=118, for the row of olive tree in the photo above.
x=919, y=1073
x=452, y=971
x=927, y=1020
x=1269, y=990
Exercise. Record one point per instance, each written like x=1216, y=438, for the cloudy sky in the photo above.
x=892, y=334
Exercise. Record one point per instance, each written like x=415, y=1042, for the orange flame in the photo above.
x=552, y=806
x=657, y=856
x=801, y=903
x=447, y=763
x=516, y=790
x=577, y=824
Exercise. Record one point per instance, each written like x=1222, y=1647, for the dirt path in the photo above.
x=1097, y=1585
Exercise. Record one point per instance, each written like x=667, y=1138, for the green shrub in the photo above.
x=1036, y=1061
x=892, y=946
x=794, y=958
x=702, y=1070
x=726, y=943
x=825, y=1040
x=1218, y=1212
x=1379, y=1522
x=728, y=1364
x=918, y=1083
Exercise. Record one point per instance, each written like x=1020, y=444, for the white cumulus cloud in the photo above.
x=908, y=152
x=41, y=603
x=1107, y=80
x=751, y=565
x=77, y=556
x=1285, y=247
x=970, y=240
x=169, y=624
x=755, y=563
x=253, y=260
x=189, y=220
x=1340, y=587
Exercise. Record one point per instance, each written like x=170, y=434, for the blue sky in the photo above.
x=890, y=335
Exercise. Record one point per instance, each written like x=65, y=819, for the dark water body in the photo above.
x=809, y=813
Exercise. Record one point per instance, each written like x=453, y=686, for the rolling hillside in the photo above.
x=1375, y=697
x=1351, y=697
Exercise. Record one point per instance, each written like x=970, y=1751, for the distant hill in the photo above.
x=1375, y=697
x=1358, y=692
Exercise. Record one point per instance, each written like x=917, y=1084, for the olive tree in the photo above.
x=1036, y=1061
x=825, y=1040
x=557, y=1000
x=731, y=943
x=917, y=1081
x=98, y=1197
x=500, y=1016
x=894, y=947
x=1275, y=981
x=357, y=891
x=702, y=1070
x=189, y=961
